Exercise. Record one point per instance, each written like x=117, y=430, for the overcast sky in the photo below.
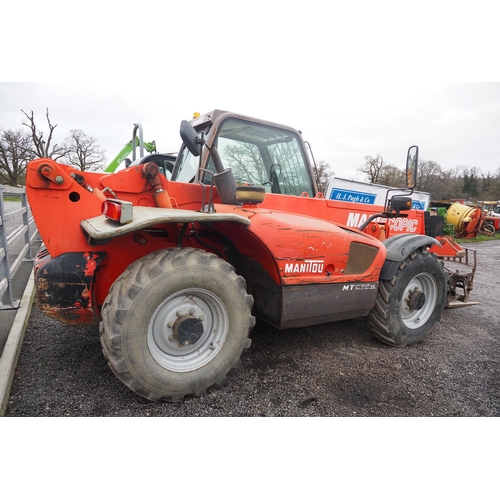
x=357, y=80
x=356, y=77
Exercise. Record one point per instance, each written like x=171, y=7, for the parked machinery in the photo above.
x=175, y=270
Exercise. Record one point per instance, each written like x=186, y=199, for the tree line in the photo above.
x=461, y=182
x=19, y=147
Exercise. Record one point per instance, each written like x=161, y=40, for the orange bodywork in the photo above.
x=278, y=250
x=352, y=215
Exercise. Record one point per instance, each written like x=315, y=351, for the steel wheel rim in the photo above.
x=209, y=312
x=422, y=283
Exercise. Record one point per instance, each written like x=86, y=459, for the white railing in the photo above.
x=15, y=242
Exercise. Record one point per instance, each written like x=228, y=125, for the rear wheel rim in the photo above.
x=198, y=309
x=422, y=286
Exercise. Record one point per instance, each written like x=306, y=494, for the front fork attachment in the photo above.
x=461, y=281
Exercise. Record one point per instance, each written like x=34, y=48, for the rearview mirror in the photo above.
x=412, y=167
x=190, y=138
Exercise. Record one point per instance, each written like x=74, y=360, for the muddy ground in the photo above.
x=335, y=369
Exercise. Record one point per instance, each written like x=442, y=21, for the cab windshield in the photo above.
x=258, y=155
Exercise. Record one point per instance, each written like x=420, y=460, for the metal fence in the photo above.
x=15, y=242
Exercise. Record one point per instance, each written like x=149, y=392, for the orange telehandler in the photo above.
x=175, y=270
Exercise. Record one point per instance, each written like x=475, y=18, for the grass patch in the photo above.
x=479, y=238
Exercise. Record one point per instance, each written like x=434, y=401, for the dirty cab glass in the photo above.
x=258, y=155
x=264, y=156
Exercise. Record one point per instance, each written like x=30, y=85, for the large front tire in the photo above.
x=175, y=323
x=410, y=304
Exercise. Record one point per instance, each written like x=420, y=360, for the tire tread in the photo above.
x=120, y=301
x=390, y=330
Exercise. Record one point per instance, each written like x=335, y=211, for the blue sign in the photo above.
x=418, y=205
x=352, y=196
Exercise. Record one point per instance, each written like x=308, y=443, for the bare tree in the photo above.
x=373, y=168
x=428, y=173
x=490, y=186
x=392, y=176
x=41, y=146
x=83, y=151
x=16, y=150
x=451, y=185
x=322, y=174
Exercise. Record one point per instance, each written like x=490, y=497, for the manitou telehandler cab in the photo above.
x=175, y=271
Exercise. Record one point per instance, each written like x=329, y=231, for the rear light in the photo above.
x=118, y=210
x=111, y=210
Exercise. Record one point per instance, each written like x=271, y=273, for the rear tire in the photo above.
x=175, y=323
x=409, y=305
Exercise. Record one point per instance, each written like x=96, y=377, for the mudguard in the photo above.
x=399, y=248
x=100, y=229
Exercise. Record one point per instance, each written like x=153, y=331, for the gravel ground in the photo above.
x=335, y=369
